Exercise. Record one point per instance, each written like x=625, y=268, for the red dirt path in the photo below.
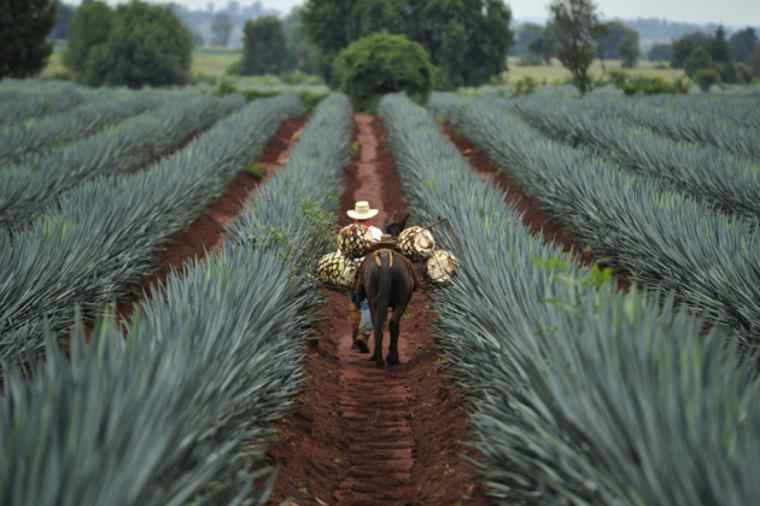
x=533, y=215
x=206, y=234
x=366, y=436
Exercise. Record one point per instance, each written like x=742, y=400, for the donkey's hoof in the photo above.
x=392, y=359
x=379, y=362
x=360, y=346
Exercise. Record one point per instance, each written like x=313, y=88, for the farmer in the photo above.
x=362, y=214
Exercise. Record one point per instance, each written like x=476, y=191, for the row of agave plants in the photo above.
x=580, y=394
x=728, y=123
x=181, y=411
x=21, y=100
x=104, y=109
x=106, y=234
x=666, y=240
x=31, y=188
x=706, y=173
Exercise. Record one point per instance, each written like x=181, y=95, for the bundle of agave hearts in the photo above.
x=338, y=269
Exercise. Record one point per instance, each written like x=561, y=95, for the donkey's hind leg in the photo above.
x=395, y=328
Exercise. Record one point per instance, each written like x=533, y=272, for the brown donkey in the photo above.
x=387, y=279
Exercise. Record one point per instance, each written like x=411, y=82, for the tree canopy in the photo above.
x=467, y=39
x=24, y=27
x=742, y=44
x=136, y=45
x=576, y=25
x=264, y=49
x=383, y=63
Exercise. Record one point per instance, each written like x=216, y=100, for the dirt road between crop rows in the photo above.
x=206, y=234
x=363, y=436
x=533, y=216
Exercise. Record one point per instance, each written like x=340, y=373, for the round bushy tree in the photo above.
x=383, y=63
x=24, y=27
x=89, y=27
x=146, y=45
x=265, y=50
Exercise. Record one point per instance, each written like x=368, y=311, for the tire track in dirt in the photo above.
x=206, y=234
x=366, y=436
x=533, y=215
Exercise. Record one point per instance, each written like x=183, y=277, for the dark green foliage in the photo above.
x=642, y=85
x=304, y=54
x=661, y=52
x=136, y=45
x=755, y=61
x=743, y=73
x=576, y=23
x=524, y=37
x=221, y=28
x=698, y=60
x=467, y=41
x=611, y=37
x=264, y=49
x=380, y=64
x=686, y=45
x=728, y=72
x=706, y=78
x=629, y=49
x=89, y=27
x=24, y=27
x=742, y=44
x=719, y=48
x=63, y=15
x=545, y=45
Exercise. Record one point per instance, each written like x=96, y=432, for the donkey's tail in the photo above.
x=384, y=260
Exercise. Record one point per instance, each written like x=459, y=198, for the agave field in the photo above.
x=531, y=379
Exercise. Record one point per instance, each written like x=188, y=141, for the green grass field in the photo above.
x=556, y=73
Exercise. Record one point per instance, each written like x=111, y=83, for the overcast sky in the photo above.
x=729, y=12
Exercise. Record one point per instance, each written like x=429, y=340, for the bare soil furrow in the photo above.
x=366, y=436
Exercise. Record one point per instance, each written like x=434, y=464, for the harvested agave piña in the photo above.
x=417, y=243
x=335, y=269
x=441, y=266
x=354, y=241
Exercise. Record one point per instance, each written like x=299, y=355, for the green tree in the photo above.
x=383, y=63
x=686, y=45
x=575, y=25
x=63, y=15
x=611, y=35
x=700, y=59
x=706, y=78
x=24, y=27
x=629, y=49
x=524, y=37
x=545, y=46
x=147, y=46
x=264, y=48
x=719, y=48
x=754, y=61
x=221, y=29
x=661, y=52
x=468, y=40
x=89, y=27
x=742, y=44
x=304, y=55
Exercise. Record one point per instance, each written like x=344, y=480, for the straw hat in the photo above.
x=362, y=211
